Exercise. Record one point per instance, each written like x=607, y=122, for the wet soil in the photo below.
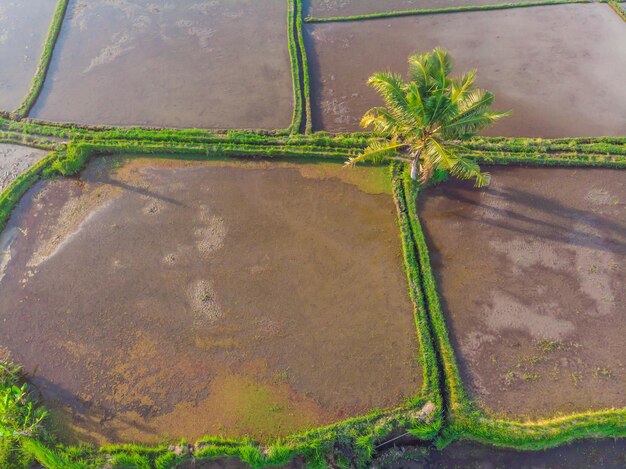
x=23, y=28
x=531, y=272
x=536, y=60
x=579, y=455
x=189, y=63
x=14, y=160
x=156, y=299
x=328, y=8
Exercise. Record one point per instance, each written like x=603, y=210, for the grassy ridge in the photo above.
x=618, y=8
x=44, y=61
x=467, y=422
x=436, y=11
x=305, y=70
x=296, y=118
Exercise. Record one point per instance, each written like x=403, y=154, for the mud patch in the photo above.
x=251, y=301
x=531, y=271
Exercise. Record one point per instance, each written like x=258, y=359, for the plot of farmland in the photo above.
x=554, y=67
x=531, y=274
x=190, y=63
x=175, y=300
x=329, y=8
x=23, y=28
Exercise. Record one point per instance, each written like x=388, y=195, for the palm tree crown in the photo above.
x=424, y=120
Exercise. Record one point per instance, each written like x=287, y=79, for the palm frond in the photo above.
x=376, y=152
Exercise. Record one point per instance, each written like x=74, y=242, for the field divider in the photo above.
x=618, y=8
x=44, y=60
x=438, y=11
x=306, y=85
x=294, y=59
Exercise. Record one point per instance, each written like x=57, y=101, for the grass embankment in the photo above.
x=618, y=8
x=306, y=86
x=352, y=440
x=436, y=11
x=463, y=419
x=294, y=60
x=44, y=61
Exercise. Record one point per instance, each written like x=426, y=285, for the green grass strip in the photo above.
x=296, y=118
x=428, y=359
x=305, y=70
x=464, y=421
x=436, y=11
x=44, y=61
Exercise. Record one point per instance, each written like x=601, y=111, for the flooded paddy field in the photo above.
x=536, y=60
x=583, y=454
x=329, y=8
x=23, y=28
x=159, y=299
x=189, y=63
x=14, y=160
x=531, y=275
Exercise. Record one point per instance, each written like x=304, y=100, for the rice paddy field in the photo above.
x=191, y=276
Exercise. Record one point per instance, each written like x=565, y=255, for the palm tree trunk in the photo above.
x=415, y=164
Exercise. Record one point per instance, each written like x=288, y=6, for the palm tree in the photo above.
x=424, y=120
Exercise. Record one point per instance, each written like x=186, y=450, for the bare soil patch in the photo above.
x=531, y=273
x=536, y=60
x=156, y=299
x=188, y=63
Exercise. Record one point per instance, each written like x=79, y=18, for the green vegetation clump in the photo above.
x=436, y=11
x=424, y=120
x=44, y=61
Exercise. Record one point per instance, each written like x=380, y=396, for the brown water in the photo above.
x=532, y=275
x=163, y=299
x=23, y=28
x=189, y=63
x=579, y=455
x=540, y=62
x=327, y=8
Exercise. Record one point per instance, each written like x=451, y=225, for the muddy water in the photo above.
x=14, y=160
x=532, y=272
x=173, y=299
x=327, y=8
x=23, y=28
x=188, y=63
x=585, y=454
x=537, y=61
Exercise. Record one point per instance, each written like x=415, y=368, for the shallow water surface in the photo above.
x=189, y=63
x=167, y=299
x=540, y=63
x=531, y=271
x=328, y=8
x=603, y=454
x=23, y=28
